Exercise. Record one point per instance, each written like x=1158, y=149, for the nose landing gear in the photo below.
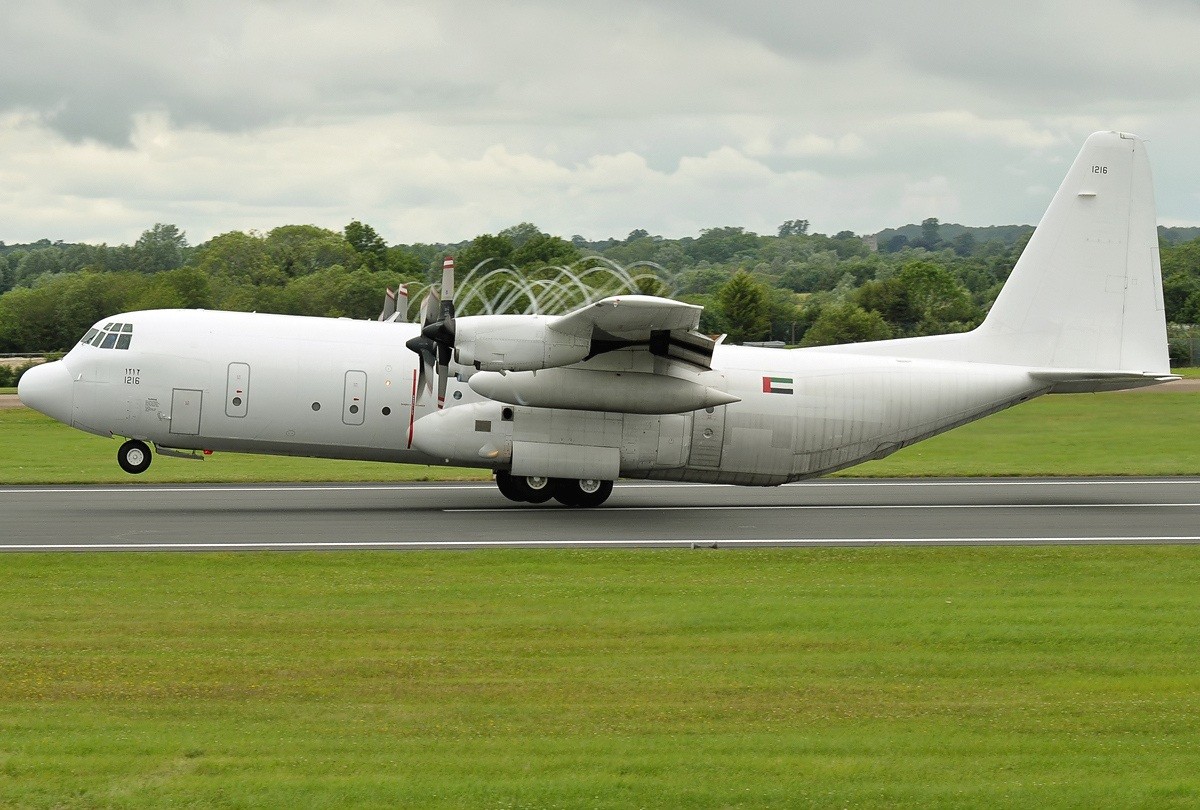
x=134, y=457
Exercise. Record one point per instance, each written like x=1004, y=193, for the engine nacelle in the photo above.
x=515, y=343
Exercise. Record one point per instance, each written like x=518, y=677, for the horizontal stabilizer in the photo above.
x=1071, y=380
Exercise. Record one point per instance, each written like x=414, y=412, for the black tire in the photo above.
x=540, y=489
x=512, y=487
x=134, y=457
x=584, y=494
x=518, y=488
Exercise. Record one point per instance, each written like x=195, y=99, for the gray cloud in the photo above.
x=445, y=119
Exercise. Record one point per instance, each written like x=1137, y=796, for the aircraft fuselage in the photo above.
x=338, y=388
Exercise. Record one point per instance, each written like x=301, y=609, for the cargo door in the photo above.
x=708, y=434
x=237, y=390
x=185, y=411
x=354, y=399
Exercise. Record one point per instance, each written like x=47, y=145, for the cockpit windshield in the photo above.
x=111, y=336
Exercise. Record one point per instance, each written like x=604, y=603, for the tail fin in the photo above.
x=1087, y=291
x=1086, y=294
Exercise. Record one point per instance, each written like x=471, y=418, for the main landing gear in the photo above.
x=134, y=457
x=586, y=492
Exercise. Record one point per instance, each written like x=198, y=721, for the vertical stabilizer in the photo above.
x=1087, y=291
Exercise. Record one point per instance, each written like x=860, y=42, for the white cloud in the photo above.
x=438, y=121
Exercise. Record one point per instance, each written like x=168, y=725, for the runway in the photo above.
x=474, y=516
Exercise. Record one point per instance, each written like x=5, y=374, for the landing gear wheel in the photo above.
x=523, y=489
x=512, y=487
x=584, y=493
x=540, y=488
x=134, y=457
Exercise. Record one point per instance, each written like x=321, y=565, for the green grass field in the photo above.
x=931, y=677
x=1091, y=434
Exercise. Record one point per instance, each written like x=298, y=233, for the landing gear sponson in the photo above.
x=586, y=492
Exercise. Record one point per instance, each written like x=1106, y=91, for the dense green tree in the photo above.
x=302, y=249
x=544, y=250
x=239, y=257
x=54, y=314
x=518, y=235
x=943, y=303
x=701, y=280
x=335, y=292
x=845, y=323
x=496, y=250
x=160, y=248
x=406, y=263
x=891, y=300
x=182, y=288
x=722, y=244
x=36, y=263
x=963, y=244
x=745, y=307
x=368, y=244
x=793, y=227
x=931, y=230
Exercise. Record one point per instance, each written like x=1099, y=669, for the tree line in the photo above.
x=801, y=288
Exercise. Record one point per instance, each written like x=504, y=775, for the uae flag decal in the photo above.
x=777, y=385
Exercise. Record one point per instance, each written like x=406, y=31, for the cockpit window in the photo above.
x=112, y=336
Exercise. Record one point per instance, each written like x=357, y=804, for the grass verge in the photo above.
x=1098, y=434
x=812, y=677
x=35, y=449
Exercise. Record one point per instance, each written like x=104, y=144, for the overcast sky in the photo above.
x=437, y=121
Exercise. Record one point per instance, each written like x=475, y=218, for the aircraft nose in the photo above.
x=47, y=388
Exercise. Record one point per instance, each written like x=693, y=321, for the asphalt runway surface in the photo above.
x=473, y=516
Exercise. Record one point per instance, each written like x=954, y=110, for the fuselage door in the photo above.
x=354, y=399
x=237, y=390
x=708, y=435
x=185, y=411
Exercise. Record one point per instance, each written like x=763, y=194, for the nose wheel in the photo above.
x=134, y=457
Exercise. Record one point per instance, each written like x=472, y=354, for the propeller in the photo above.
x=435, y=344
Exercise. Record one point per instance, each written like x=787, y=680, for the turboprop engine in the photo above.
x=515, y=343
x=586, y=390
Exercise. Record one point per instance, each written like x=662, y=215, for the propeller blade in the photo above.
x=426, y=349
x=443, y=372
x=389, y=305
x=429, y=307
x=448, y=288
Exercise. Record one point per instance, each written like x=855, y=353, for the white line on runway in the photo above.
x=403, y=487
x=534, y=544
x=524, y=510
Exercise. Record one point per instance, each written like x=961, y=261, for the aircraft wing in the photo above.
x=658, y=364
x=631, y=317
x=667, y=327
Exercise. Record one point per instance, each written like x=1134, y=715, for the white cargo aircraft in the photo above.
x=561, y=406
